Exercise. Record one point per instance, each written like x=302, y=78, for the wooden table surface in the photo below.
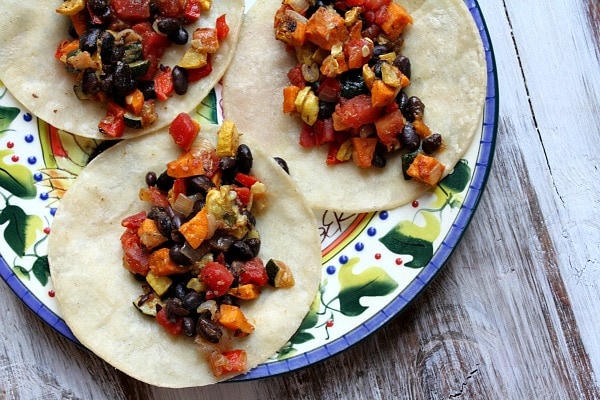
x=513, y=315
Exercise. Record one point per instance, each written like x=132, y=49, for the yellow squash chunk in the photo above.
x=228, y=140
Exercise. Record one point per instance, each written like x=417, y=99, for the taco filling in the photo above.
x=197, y=251
x=107, y=69
x=218, y=248
x=116, y=50
x=354, y=78
x=348, y=85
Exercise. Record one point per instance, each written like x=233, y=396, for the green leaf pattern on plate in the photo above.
x=15, y=178
x=21, y=230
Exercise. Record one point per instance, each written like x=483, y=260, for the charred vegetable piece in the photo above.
x=279, y=274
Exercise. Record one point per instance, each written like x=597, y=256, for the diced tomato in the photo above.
x=254, y=272
x=228, y=361
x=357, y=111
x=332, y=153
x=355, y=52
x=355, y=3
x=388, y=127
x=184, y=130
x=236, y=361
x=135, y=258
x=217, y=278
x=173, y=327
x=163, y=84
x=329, y=89
x=179, y=187
x=375, y=4
x=246, y=180
x=65, y=47
x=243, y=194
x=131, y=10
x=307, y=138
x=222, y=28
x=171, y=8
x=196, y=74
x=154, y=196
x=193, y=9
x=134, y=221
x=295, y=76
x=153, y=47
x=323, y=131
x=113, y=123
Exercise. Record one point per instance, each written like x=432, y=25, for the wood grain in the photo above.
x=514, y=315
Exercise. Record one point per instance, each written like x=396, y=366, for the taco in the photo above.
x=97, y=69
x=104, y=302
x=447, y=74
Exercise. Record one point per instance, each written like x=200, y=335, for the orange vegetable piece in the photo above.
x=363, y=150
x=426, y=169
x=393, y=19
x=196, y=229
x=248, y=291
x=421, y=128
x=288, y=29
x=149, y=234
x=233, y=318
x=185, y=165
x=205, y=40
x=135, y=102
x=161, y=264
x=79, y=22
x=289, y=97
x=325, y=28
x=382, y=94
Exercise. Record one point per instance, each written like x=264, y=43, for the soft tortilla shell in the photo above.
x=448, y=74
x=30, y=32
x=95, y=292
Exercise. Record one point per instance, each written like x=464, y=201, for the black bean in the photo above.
x=403, y=64
x=228, y=299
x=180, y=80
x=98, y=7
x=380, y=49
x=162, y=221
x=151, y=178
x=179, y=37
x=147, y=88
x=192, y=300
x=282, y=162
x=209, y=329
x=177, y=256
x=199, y=184
x=117, y=53
x=244, y=159
x=189, y=326
x=415, y=108
x=198, y=206
x=352, y=84
x=107, y=43
x=168, y=25
x=164, y=182
x=409, y=138
x=228, y=166
x=90, y=84
x=106, y=84
x=88, y=40
x=179, y=290
x=379, y=160
x=239, y=250
x=175, y=308
x=377, y=68
x=123, y=82
x=431, y=143
x=402, y=101
x=254, y=245
x=326, y=109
